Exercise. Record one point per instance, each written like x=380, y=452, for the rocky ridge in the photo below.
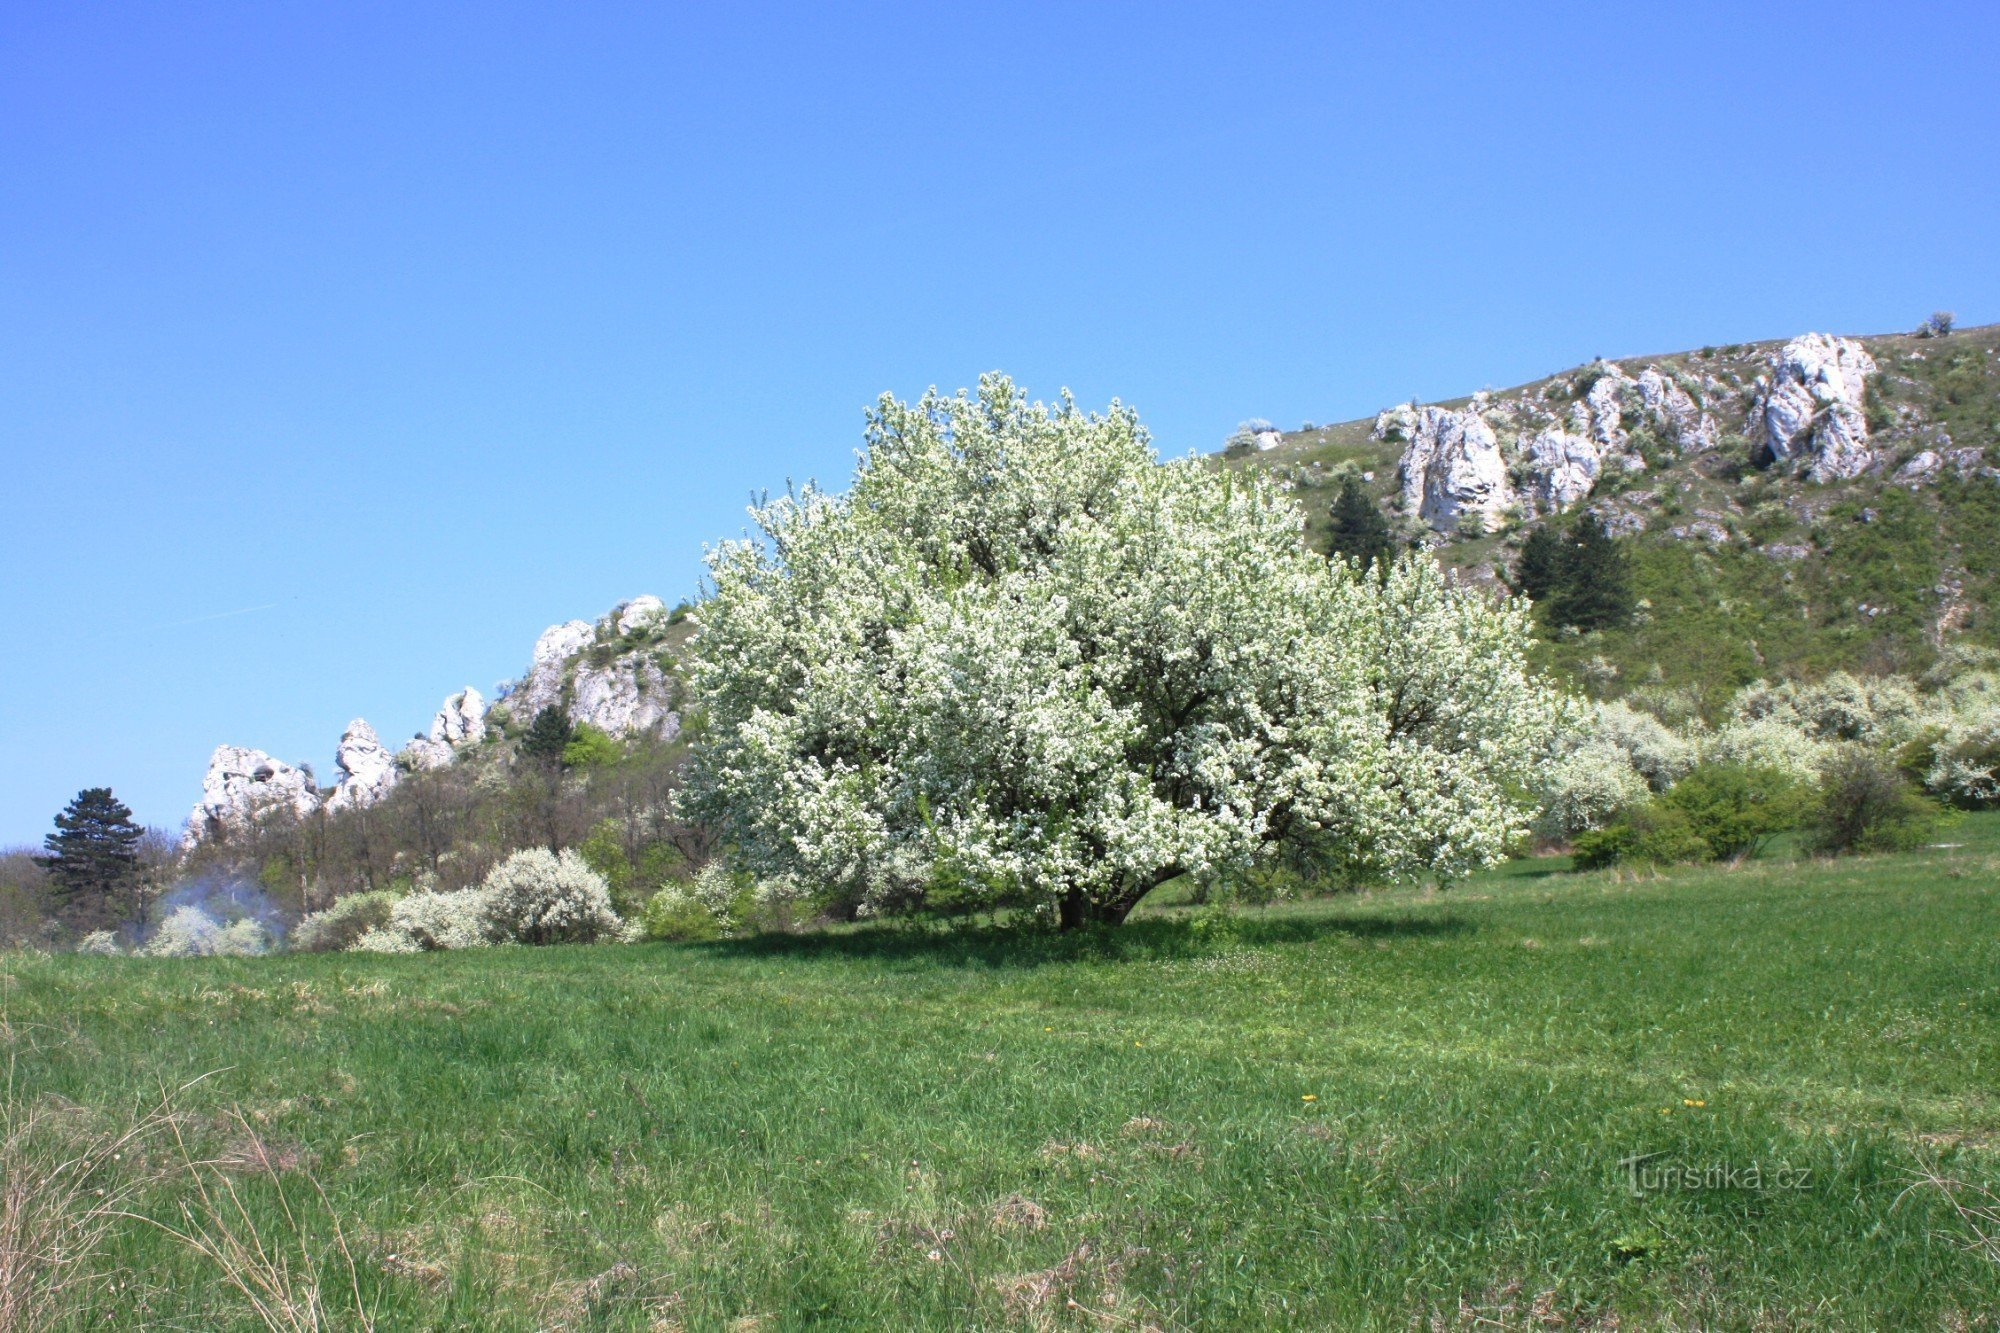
x=613, y=674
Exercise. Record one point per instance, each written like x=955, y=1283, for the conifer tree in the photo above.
x=1360, y=530
x=548, y=735
x=1595, y=589
x=93, y=858
x=1538, y=571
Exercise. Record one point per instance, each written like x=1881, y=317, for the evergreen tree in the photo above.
x=1595, y=585
x=93, y=857
x=548, y=735
x=1360, y=530
x=1538, y=571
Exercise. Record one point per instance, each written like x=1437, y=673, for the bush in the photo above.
x=102, y=942
x=189, y=932
x=1938, y=325
x=1716, y=812
x=428, y=921
x=676, y=914
x=1734, y=807
x=540, y=897
x=1652, y=833
x=1865, y=805
x=341, y=925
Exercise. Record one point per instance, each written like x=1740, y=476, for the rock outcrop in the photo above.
x=629, y=697
x=1600, y=414
x=367, y=769
x=243, y=786
x=460, y=721
x=1674, y=413
x=1564, y=467
x=549, y=667
x=640, y=612
x=1811, y=407
x=1451, y=466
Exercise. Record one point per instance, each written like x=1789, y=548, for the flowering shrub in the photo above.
x=1022, y=662
x=540, y=897
x=340, y=925
x=533, y=897
x=425, y=921
x=189, y=932
x=102, y=942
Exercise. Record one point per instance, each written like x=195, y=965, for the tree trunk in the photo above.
x=1078, y=911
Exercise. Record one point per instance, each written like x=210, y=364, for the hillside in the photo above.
x=1748, y=565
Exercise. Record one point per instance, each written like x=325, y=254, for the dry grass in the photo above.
x=66, y=1184
x=277, y=1276
x=1977, y=1207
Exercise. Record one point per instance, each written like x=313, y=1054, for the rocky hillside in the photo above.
x=614, y=675
x=1789, y=507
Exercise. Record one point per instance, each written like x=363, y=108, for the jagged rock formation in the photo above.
x=624, y=699
x=1451, y=466
x=1674, y=411
x=542, y=687
x=1563, y=467
x=1811, y=407
x=603, y=675
x=639, y=612
x=460, y=721
x=367, y=769
x=242, y=786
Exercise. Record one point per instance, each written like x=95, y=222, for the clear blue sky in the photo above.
x=344, y=347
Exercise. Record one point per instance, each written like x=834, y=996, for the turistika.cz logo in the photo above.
x=1649, y=1173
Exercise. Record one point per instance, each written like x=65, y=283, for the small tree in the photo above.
x=549, y=734
x=1938, y=325
x=1360, y=529
x=93, y=859
x=1539, y=568
x=1593, y=580
x=1865, y=805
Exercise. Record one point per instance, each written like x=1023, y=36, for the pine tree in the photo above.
x=1538, y=571
x=93, y=857
x=1595, y=589
x=548, y=735
x=1360, y=531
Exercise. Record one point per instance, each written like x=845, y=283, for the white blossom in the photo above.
x=1021, y=661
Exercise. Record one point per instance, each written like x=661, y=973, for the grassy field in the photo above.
x=1370, y=1112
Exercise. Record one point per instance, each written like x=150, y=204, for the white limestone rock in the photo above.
x=1600, y=413
x=243, y=786
x=1565, y=467
x=543, y=685
x=1811, y=406
x=1673, y=409
x=639, y=612
x=1921, y=469
x=1269, y=439
x=629, y=697
x=460, y=721
x=1451, y=467
x=367, y=769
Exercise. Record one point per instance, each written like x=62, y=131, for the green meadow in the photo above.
x=1388, y=1110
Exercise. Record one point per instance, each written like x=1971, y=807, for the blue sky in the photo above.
x=342, y=348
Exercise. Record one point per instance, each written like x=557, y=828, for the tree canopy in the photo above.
x=93, y=857
x=1023, y=663
x=1360, y=530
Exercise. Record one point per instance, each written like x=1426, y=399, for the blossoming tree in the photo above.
x=1022, y=662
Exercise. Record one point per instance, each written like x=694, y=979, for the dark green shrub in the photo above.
x=1717, y=812
x=1865, y=805
x=1654, y=833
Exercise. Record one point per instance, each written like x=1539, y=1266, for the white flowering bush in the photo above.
x=533, y=897
x=421, y=922
x=1023, y=662
x=339, y=926
x=100, y=942
x=542, y=897
x=1654, y=751
x=189, y=932
x=1965, y=758
x=1586, y=788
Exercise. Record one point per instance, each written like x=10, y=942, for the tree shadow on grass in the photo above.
x=1149, y=939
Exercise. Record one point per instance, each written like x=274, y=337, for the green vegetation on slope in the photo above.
x=1345, y=1114
x=1865, y=575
